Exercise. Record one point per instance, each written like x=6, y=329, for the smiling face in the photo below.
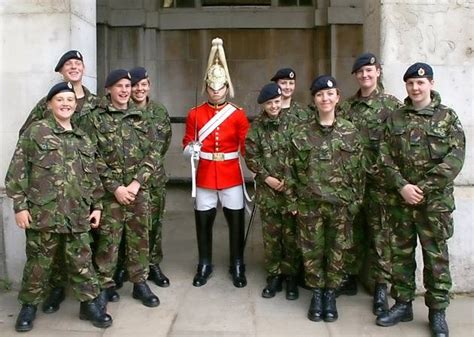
x=120, y=93
x=419, y=91
x=63, y=105
x=140, y=91
x=72, y=70
x=217, y=96
x=272, y=107
x=287, y=87
x=367, y=77
x=326, y=100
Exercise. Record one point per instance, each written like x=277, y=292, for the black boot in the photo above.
x=54, y=299
x=142, y=292
x=236, y=221
x=380, y=299
x=107, y=295
x=25, y=319
x=94, y=312
x=292, y=292
x=315, y=311
x=157, y=276
x=119, y=277
x=204, y=223
x=274, y=285
x=348, y=286
x=329, y=305
x=438, y=324
x=399, y=312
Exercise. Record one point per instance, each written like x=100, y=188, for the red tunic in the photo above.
x=227, y=137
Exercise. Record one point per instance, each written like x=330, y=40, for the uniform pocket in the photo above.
x=441, y=225
x=438, y=144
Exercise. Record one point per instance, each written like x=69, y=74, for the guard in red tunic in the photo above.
x=215, y=135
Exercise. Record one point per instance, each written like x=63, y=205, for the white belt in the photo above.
x=218, y=156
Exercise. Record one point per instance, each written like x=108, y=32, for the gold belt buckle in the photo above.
x=218, y=156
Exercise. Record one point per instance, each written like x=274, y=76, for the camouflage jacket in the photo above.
x=53, y=175
x=369, y=115
x=267, y=146
x=40, y=111
x=127, y=143
x=158, y=115
x=326, y=165
x=296, y=110
x=424, y=147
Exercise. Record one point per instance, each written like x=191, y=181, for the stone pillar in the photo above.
x=438, y=33
x=35, y=34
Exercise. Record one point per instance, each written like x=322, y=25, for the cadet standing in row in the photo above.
x=130, y=146
x=71, y=67
x=159, y=118
x=422, y=154
x=368, y=110
x=56, y=191
x=326, y=189
x=286, y=80
x=267, y=146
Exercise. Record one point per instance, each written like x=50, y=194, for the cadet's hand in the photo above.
x=94, y=218
x=23, y=219
x=412, y=194
x=275, y=183
x=133, y=188
x=123, y=196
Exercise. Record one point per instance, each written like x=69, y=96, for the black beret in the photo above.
x=60, y=87
x=116, y=75
x=322, y=82
x=418, y=70
x=284, y=73
x=72, y=54
x=138, y=74
x=364, y=60
x=269, y=91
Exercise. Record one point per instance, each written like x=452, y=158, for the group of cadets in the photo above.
x=338, y=185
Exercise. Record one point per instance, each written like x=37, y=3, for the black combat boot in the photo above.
x=292, y=292
x=142, y=292
x=119, y=277
x=315, y=311
x=54, y=299
x=204, y=223
x=399, y=312
x=380, y=299
x=274, y=285
x=438, y=324
x=94, y=312
x=348, y=286
x=236, y=221
x=25, y=319
x=329, y=305
x=157, y=276
x=107, y=295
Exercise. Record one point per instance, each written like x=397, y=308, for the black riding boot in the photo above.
x=399, y=312
x=315, y=311
x=236, y=221
x=438, y=324
x=204, y=223
x=329, y=305
x=380, y=299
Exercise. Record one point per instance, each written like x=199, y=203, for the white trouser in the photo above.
x=231, y=198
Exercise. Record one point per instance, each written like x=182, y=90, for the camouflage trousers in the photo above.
x=371, y=246
x=157, y=208
x=433, y=229
x=132, y=219
x=282, y=256
x=324, y=232
x=41, y=247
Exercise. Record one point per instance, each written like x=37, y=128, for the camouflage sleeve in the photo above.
x=36, y=114
x=390, y=170
x=96, y=164
x=295, y=168
x=17, y=178
x=152, y=159
x=164, y=127
x=355, y=170
x=451, y=152
x=254, y=154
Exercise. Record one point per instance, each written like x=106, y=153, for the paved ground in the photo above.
x=219, y=309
